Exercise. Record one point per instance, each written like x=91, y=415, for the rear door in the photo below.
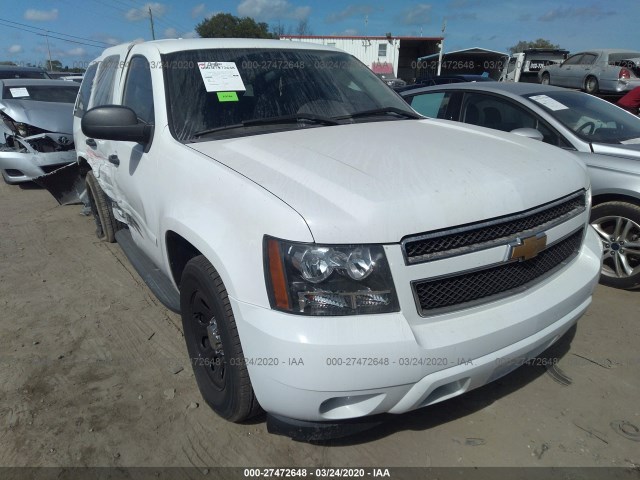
x=564, y=74
x=96, y=151
x=134, y=167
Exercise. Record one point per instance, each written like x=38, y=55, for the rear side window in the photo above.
x=138, y=93
x=104, y=81
x=82, y=102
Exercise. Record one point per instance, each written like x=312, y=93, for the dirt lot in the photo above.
x=94, y=372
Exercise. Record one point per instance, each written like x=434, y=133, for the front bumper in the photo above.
x=336, y=368
x=28, y=163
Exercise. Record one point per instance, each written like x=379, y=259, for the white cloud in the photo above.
x=142, y=13
x=171, y=33
x=263, y=10
x=350, y=11
x=416, y=15
x=580, y=13
x=76, y=52
x=197, y=10
x=41, y=15
x=15, y=49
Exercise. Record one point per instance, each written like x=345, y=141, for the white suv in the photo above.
x=332, y=253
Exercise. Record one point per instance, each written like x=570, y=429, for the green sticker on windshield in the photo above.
x=227, y=96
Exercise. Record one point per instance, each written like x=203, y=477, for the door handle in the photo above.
x=91, y=142
x=114, y=159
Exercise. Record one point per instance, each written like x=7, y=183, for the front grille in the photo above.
x=486, y=234
x=470, y=288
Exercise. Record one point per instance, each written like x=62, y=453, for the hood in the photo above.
x=49, y=116
x=378, y=182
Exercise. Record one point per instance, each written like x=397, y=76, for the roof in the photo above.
x=469, y=51
x=183, y=44
x=518, y=88
x=357, y=37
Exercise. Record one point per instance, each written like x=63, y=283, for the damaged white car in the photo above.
x=36, y=134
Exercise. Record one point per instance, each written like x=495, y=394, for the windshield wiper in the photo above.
x=297, y=118
x=381, y=111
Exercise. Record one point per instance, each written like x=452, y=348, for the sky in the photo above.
x=78, y=30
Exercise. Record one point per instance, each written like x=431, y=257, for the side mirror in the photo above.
x=529, y=133
x=114, y=122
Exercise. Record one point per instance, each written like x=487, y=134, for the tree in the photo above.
x=56, y=65
x=303, y=28
x=539, y=43
x=7, y=62
x=225, y=25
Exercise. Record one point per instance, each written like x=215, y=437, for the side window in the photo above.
x=432, y=105
x=104, y=81
x=82, y=102
x=500, y=114
x=382, y=50
x=588, y=59
x=574, y=60
x=138, y=93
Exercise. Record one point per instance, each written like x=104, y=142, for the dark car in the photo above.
x=605, y=137
x=12, y=71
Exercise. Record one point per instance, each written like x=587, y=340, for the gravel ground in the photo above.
x=94, y=372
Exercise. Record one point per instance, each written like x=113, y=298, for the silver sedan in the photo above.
x=609, y=71
x=605, y=137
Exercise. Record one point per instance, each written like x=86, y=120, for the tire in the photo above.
x=546, y=79
x=106, y=224
x=591, y=85
x=206, y=314
x=618, y=226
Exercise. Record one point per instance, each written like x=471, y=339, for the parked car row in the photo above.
x=605, y=137
x=595, y=71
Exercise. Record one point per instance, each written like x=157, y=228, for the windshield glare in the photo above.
x=278, y=83
x=590, y=118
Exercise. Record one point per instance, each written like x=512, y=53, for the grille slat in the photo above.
x=424, y=248
x=467, y=289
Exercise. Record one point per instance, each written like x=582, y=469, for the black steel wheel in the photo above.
x=213, y=343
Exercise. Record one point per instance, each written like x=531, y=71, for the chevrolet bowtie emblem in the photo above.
x=528, y=247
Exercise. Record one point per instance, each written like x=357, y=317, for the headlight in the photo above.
x=311, y=279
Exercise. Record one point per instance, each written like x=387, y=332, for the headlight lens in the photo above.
x=311, y=279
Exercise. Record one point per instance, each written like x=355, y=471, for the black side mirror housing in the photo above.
x=115, y=122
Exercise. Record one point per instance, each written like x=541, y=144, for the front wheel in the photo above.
x=618, y=226
x=213, y=343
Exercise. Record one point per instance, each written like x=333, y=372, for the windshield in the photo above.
x=58, y=94
x=590, y=118
x=233, y=92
